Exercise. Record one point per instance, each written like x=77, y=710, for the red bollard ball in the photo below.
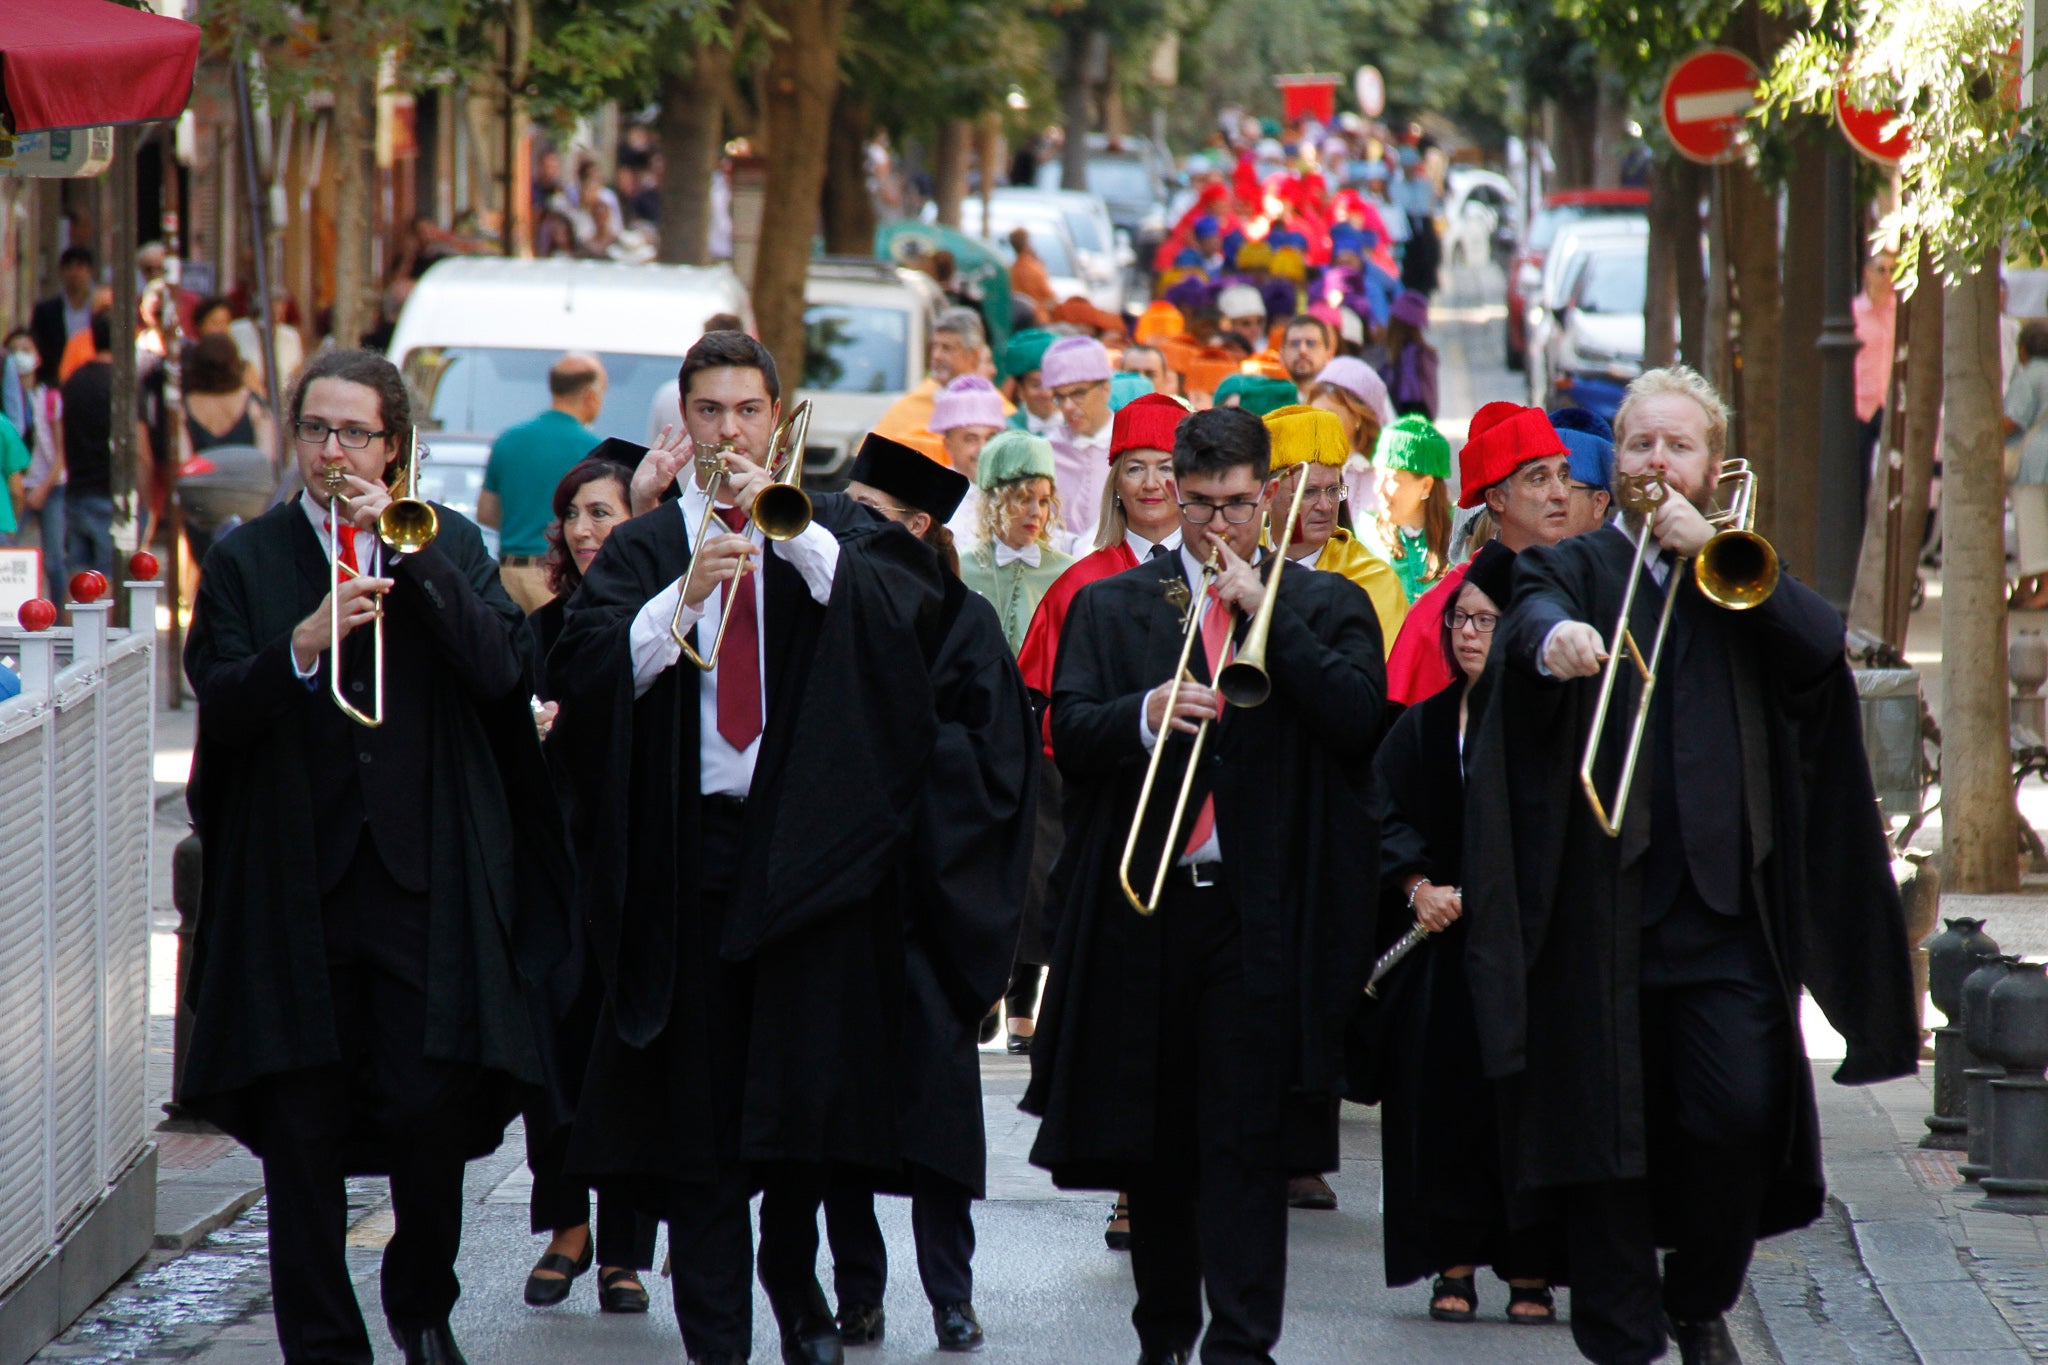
x=142, y=565
x=88, y=586
x=38, y=613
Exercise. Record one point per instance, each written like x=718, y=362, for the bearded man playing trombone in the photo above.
x=1191, y=1042
x=1636, y=958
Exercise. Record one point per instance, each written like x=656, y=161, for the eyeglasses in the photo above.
x=1333, y=495
x=1236, y=513
x=351, y=438
x=1578, y=487
x=886, y=509
x=1077, y=392
x=1457, y=618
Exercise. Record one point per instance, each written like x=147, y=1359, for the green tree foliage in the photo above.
x=1974, y=172
x=586, y=52
x=919, y=63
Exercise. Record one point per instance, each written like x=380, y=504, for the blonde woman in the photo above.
x=1013, y=561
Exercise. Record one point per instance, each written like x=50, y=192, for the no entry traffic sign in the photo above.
x=1865, y=130
x=1706, y=97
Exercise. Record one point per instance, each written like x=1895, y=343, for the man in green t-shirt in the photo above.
x=526, y=463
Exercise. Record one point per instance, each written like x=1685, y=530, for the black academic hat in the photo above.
x=627, y=453
x=1492, y=572
x=909, y=476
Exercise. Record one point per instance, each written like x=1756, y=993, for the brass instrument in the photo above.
x=782, y=510
x=1243, y=681
x=1736, y=569
x=407, y=525
x=1191, y=630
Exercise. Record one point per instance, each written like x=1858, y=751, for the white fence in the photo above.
x=75, y=811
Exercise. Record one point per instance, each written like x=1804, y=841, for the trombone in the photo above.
x=1243, y=682
x=1736, y=569
x=782, y=510
x=407, y=525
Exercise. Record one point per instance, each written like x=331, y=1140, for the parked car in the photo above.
x=1568, y=253
x=1479, y=209
x=1559, y=208
x=1104, y=248
x=1595, y=345
x=1132, y=177
x=867, y=326
x=1047, y=226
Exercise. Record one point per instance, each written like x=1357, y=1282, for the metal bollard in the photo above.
x=1959, y=949
x=2018, y=1039
x=1979, y=1101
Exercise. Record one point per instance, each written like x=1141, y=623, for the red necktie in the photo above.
x=1215, y=639
x=344, y=535
x=739, y=664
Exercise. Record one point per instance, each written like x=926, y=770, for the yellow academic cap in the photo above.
x=1305, y=435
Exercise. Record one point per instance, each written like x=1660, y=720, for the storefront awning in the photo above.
x=84, y=63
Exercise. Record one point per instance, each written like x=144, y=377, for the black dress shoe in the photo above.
x=1705, y=1342
x=958, y=1328
x=1162, y=1358
x=723, y=1359
x=619, y=1291
x=543, y=1291
x=429, y=1345
x=1020, y=1047
x=861, y=1324
x=1310, y=1192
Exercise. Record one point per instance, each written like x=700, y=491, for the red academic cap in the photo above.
x=1146, y=423
x=1504, y=437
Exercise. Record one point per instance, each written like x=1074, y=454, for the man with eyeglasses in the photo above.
x=1076, y=373
x=1515, y=464
x=1192, y=1057
x=1309, y=443
x=1589, y=443
x=379, y=901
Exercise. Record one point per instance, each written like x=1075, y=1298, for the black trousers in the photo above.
x=1204, y=1216
x=384, y=1089
x=1716, y=1042
x=625, y=1235
x=941, y=1221
x=791, y=1196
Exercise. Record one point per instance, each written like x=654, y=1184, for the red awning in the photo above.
x=81, y=63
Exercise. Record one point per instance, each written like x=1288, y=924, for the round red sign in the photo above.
x=1706, y=98
x=1865, y=130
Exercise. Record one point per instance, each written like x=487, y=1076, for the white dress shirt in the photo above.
x=369, y=557
x=1211, y=850
x=1142, y=547
x=721, y=769
x=1079, y=466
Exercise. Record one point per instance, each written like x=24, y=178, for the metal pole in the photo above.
x=1839, y=528
x=259, y=242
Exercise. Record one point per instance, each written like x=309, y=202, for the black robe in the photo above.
x=817, y=916
x=497, y=874
x=1555, y=905
x=968, y=862
x=1295, y=813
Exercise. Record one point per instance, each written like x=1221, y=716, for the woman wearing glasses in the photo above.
x=1309, y=443
x=1446, y=1213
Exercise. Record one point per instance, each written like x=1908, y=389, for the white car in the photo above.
x=1050, y=238
x=1479, y=206
x=1560, y=271
x=1104, y=249
x=1595, y=346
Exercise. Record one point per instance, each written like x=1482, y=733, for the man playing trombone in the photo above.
x=1636, y=956
x=1191, y=1041
x=384, y=885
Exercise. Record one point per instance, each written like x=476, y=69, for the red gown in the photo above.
x=1042, y=640
x=1417, y=668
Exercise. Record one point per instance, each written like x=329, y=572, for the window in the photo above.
x=481, y=390
x=850, y=348
x=1614, y=282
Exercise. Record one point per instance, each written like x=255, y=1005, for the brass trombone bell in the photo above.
x=1244, y=680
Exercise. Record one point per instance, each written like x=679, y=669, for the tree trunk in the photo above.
x=1909, y=428
x=803, y=82
x=949, y=173
x=1716, y=349
x=1689, y=264
x=1573, y=125
x=1799, y=433
x=849, y=208
x=1669, y=211
x=1753, y=253
x=1074, y=108
x=1979, y=836
x=352, y=181
x=692, y=125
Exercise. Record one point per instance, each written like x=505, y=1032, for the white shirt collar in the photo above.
x=1099, y=441
x=1005, y=554
x=1142, y=547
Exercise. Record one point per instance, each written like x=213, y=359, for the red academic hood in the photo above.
x=82, y=63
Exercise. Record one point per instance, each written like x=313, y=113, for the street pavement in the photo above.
x=1903, y=1267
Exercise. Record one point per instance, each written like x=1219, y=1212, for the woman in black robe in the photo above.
x=1446, y=1213
x=591, y=499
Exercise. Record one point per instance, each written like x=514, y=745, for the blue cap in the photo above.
x=1125, y=386
x=1232, y=240
x=1589, y=446
x=1205, y=226
x=1187, y=258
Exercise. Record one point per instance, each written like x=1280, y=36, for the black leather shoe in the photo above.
x=1162, y=1358
x=813, y=1343
x=861, y=1324
x=1705, y=1342
x=428, y=1345
x=1020, y=1047
x=619, y=1291
x=718, y=1360
x=958, y=1328
x=1310, y=1192
x=542, y=1291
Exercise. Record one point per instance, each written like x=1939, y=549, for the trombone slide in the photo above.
x=1190, y=632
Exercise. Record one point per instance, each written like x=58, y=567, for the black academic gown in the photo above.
x=488, y=829
x=1555, y=905
x=817, y=915
x=966, y=879
x=1295, y=814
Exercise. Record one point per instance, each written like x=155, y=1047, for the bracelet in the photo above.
x=1413, y=890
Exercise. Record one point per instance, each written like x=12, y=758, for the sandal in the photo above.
x=543, y=1291
x=1117, y=1236
x=1463, y=1288
x=1536, y=1294
x=619, y=1290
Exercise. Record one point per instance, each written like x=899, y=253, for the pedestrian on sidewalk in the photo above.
x=1411, y=370
x=1638, y=997
x=378, y=903
x=526, y=463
